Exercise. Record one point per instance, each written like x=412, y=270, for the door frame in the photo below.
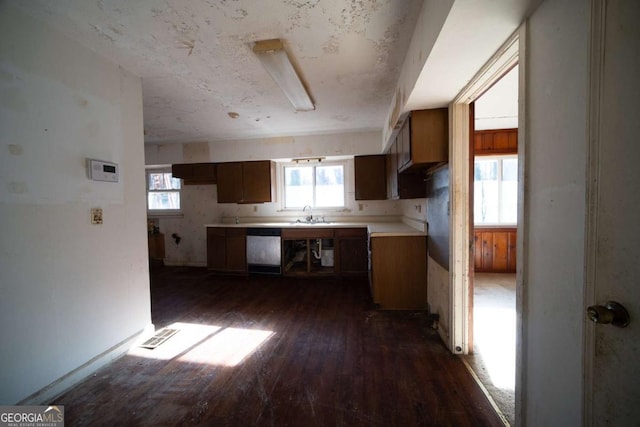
x=512, y=52
x=595, y=79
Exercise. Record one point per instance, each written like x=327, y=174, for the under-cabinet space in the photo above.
x=308, y=256
x=308, y=251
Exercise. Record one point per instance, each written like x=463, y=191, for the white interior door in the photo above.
x=613, y=254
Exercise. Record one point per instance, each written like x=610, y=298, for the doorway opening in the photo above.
x=494, y=211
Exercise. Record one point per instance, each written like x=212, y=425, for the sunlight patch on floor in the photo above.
x=229, y=347
x=495, y=339
x=214, y=345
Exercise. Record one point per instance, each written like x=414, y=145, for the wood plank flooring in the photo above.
x=331, y=360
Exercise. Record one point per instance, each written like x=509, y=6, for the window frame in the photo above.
x=282, y=185
x=162, y=212
x=499, y=158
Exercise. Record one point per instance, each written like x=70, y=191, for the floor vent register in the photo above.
x=159, y=338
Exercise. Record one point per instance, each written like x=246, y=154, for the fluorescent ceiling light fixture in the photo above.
x=276, y=61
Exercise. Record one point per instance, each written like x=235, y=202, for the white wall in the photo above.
x=555, y=161
x=69, y=290
x=199, y=202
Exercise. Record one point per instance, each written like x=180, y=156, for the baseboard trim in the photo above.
x=47, y=394
x=486, y=393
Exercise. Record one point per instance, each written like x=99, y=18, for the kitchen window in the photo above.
x=163, y=191
x=495, y=190
x=319, y=185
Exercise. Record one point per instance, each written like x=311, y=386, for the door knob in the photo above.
x=611, y=312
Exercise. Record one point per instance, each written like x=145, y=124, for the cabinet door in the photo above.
x=257, y=185
x=182, y=170
x=230, y=182
x=429, y=138
x=352, y=251
x=236, y=248
x=370, y=177
x=216, y=248
x=405, y=134
x=392, y=171
x=411, y=185
x=399, y=272
x=203, y=173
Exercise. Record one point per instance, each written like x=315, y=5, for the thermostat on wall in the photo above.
x=102, y=171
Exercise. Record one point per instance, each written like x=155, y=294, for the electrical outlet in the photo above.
x=360, y=206
x=96, y=216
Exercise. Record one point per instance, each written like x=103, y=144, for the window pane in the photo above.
x=298, y=186
x=486, y=203
x=330, y=186
x=163, y=181
x=509, y=191
x=164, y=200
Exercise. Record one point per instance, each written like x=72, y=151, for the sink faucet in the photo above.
x=308, y=218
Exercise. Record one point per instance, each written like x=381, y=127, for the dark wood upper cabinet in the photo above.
x=246, y=182
x=258, y=181
x=412, y=185
x=404, y=185
x=230, y=189
x=370, y=177
x=392, y=171
x=424, y=139
x=195, y=173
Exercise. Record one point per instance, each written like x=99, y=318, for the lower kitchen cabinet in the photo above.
x=352, y=253
x=399, y=272
x=227, y=249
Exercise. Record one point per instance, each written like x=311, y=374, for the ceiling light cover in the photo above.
x=276, y=61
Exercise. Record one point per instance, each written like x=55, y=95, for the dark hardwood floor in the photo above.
x=332, y=360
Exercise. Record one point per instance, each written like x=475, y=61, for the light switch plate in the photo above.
x=96, y=216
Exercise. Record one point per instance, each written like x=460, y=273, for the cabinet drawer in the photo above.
x=351, y=232
x=307, y=233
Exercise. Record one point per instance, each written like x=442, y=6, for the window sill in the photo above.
x=153, y=214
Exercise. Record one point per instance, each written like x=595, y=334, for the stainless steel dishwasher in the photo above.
x=264, y=252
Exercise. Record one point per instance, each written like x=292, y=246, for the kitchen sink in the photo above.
x=307, y=224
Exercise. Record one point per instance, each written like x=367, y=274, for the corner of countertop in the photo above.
x=418, y=224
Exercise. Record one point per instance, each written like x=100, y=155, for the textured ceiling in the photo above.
x=196, y=62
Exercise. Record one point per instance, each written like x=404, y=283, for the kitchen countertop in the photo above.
x=376, y=229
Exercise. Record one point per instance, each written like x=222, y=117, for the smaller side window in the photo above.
x=496, y=190
x=163, y=191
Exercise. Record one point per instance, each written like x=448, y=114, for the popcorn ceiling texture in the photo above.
x=196, y=62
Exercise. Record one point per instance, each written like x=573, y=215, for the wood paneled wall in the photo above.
x=496, y=141
x=495, y=250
